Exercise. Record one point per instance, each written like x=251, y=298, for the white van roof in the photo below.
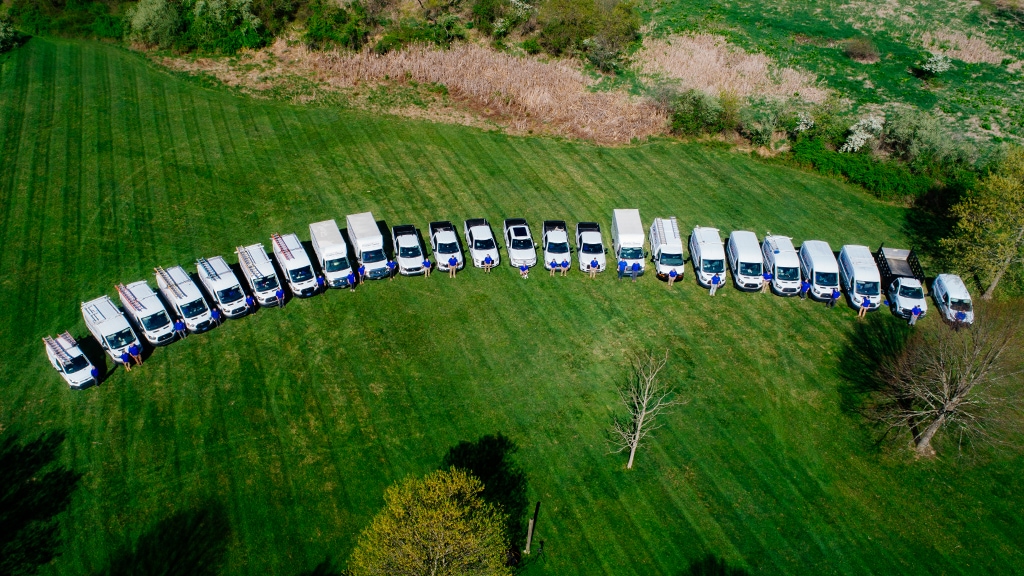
x=821, y=256
x=219, y=275
x=187, y=289
x=710, y=242
x=104, y=315
x=328, y=237
x=289, y=251
x=670, y=228
x=139, y=299
x=748, y=249
x=955, y=286
x=262, y=267
x=863, y=262
x=783, y=250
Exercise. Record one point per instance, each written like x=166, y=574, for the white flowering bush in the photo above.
x=7, y=35
x=860, y=133
x=804, y=122
x=516, y=12
x=937, y=64
x=153, y=22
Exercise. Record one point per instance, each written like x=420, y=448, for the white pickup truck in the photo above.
x=445, y=244
x=555, y=243
x=408, y=252
x=903, y=279
x=519, y=243
x=480, y=240
x=68, y=360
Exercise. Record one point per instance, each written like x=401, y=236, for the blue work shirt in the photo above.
x=523, y=268
x=565, y=263
x=554, y=264
x=362, y=270
x=125, y=358
x=488, y=260
x=961, y=316
x=94, y=372
x=835, y=294
x=866, y=302
x=805, y=286
x=622, y=265
x=279, y=294
x=351, y=278
x=636, y=266
x=453, y=261
x=426, y=263
x=250, y=301
x=715, y=279
x=320, y=281
x=672, y=273
x=391, y=265
x=595, y=264
x=916, y=310
x=133, y=350
x=767, y=276
x=179, y=325
x=215, y=313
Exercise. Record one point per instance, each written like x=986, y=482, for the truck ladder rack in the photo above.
x=129, y=297
x=280, y=243
x=171, y=284
x=94, y=313
x=246, y=260
x=661, y=230
x=675, y=227
x=208, y=268
x=57, y=349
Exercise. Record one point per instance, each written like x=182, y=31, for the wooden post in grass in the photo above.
x=529, y=529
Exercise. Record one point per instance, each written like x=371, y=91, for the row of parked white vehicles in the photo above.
x=149, y=315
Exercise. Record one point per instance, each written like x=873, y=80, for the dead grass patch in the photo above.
x=709, y=63
x=972, y=49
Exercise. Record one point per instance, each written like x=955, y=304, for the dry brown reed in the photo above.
x=972, y=49
x=707, y=62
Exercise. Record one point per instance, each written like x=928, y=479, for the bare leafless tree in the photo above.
x=646, y=397
x=960, y=380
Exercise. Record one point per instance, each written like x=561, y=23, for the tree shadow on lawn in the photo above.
x=325, y=568
x=489, y=459
x=712, y=565
x=929, y=219
x=33, y=492
x=189, y=543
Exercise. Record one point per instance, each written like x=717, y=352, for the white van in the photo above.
x=222, y=284
x=707, y=255
x=108, y=326
x=745, y=260
x=368, y=244
x=952, y=299
x=819, y=267
x=184, y=297
x=667, y=247
x=628, y=237
x=294, y=262
x=146, y=312
x=781, y=260
x=259, y=273
x=331, y=252
x=860, y=277
x=68, y=360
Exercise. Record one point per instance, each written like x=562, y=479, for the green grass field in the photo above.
x=294, y=421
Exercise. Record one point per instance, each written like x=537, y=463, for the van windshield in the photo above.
x=374, y=256
x=76, y=364
x=826, y=278
x=447, y=248
x=591, y=249
x=266, y=283
x=913, y=292
x=120, y=339
x=155, y=321
x=485, y=244
x=713, y=266
x=409, y=252
x=750, y=268
x=301, y=274
x=788, y=274
x=336, y=265
x=558, y=247
x=866, y=288
x=193, y=309
x=631, y=253
x=229, y=295
x=672, y=259
x=960, y=305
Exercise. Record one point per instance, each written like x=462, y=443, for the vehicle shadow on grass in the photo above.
x=189, y=543
x=35, y=490
x=490, y=460
x=712, y=565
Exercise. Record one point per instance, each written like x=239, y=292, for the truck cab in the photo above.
x=222, y=285
x=707, y=255
x=628, y=237
x=294, y=262
x=108, y=326
x=331, y=252
x=590, y=245
x=408, y=252
x=519, y=243
x=860, y=276
x=146, y=312
x=480, y=239
x=445, y=244
x=903, y=279
x=952, y=299
x=68, y=360
x=259, y=273
x=781, y=260
x=667, y=247
x=743, y=252
x=555, y=243
x=368, y=244
x=184, y=296
x=818, y=265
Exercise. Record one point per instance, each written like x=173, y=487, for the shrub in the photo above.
x=861, y=49
x=886, y=179
x=221, y=26
x=332, y=25
x=921, y=139
x=446, y=30
x=66, y=18
x=153, y=22
x=694, y=112
x=485, y=12
x=531, y=46
x=865, y=129
x=758, y=123
x=8, y=35
x=565, y=24
x=937, y=64
x=275, y=14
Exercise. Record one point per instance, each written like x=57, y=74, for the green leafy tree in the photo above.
x=566, y=24
x=438, y=525
x=989, y=234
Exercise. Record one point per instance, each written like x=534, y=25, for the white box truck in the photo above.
x=222, y=285
x=294, y=262
x=860, y=276
x=68, y=360
x=781, y=260
x=818, y=266
x=743, y=252
x=667, y=247
x=707, y=256
x=368, y=244
x=146, y=312
x=108, y=326
x=628, y=237
x=331, y=252
x=184, y=296
x=259, y=273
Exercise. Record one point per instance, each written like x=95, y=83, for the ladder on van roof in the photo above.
x=94, y=312
x=208, y=268
x=169, y=282
x=57, y=349
x=246, y=260
x=129, y=297
x=675, y=227
x=282, y=246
